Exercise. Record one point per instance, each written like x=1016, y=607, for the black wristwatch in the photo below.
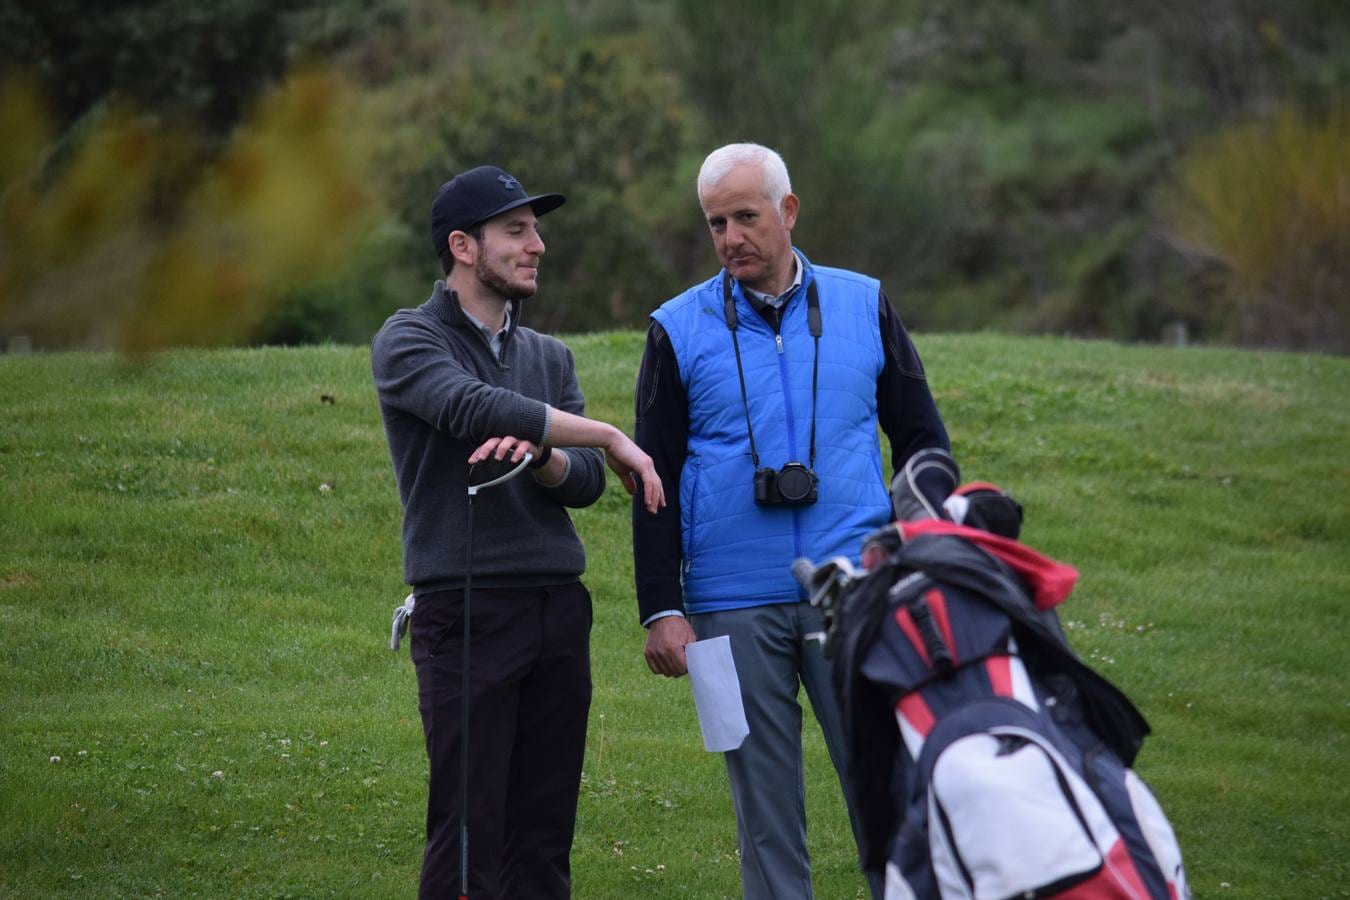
x=543, y=457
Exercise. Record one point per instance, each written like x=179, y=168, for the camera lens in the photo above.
x=794, y=482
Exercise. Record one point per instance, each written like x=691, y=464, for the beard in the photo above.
x=495, y=281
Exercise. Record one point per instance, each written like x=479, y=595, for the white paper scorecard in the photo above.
x=717, y=694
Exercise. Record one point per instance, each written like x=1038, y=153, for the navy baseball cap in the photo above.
x=478, y=195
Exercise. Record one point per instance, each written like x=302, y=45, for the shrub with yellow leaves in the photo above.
x=1271, y=200
x=126, y=233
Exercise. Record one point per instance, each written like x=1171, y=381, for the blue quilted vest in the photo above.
x=736, y=553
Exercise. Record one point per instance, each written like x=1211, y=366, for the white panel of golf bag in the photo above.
x=986, y=760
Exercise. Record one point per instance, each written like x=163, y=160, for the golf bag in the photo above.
x=987, y=761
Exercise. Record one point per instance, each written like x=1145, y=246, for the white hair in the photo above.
x=721, y=161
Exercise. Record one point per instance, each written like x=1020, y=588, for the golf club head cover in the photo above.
x=987, y=507
x=928, y=478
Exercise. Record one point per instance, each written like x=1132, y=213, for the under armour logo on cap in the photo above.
x=469, y=198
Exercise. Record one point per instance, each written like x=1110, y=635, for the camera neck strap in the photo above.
x=813, y=322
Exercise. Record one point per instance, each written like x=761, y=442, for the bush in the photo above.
x=1271, y=201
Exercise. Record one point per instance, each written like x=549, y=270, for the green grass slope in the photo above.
x=199, y=555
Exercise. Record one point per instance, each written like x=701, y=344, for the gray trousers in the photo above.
x=773, y=657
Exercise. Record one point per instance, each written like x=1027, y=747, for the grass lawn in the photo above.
x=199, y=555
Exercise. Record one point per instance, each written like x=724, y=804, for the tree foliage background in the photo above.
x=262, y=171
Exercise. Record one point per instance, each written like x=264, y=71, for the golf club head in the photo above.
x=826, y=584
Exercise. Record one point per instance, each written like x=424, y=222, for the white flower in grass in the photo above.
x=217, y=775
x=55, y=759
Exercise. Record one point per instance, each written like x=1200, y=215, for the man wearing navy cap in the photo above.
x=460, y=380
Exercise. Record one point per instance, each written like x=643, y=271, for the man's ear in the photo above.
x=463, y=248
x=790, y=204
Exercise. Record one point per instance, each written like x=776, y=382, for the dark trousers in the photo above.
x=529, y=696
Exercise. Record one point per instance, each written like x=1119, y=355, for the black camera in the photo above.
x=792, y=485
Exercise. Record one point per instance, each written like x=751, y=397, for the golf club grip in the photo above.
x=519, y=467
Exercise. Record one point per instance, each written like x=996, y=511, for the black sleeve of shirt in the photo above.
x=906, y=410
x=662, y=414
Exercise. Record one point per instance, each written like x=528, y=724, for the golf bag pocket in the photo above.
x=1008, y=815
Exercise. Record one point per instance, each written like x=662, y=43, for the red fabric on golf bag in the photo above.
x=986, y=759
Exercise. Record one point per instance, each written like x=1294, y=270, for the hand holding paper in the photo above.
x=717, y=694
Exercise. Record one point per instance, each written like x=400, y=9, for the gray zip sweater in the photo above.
x=443, y=393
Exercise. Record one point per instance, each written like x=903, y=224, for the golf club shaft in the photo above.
x=464, y=676
x=464, y=722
